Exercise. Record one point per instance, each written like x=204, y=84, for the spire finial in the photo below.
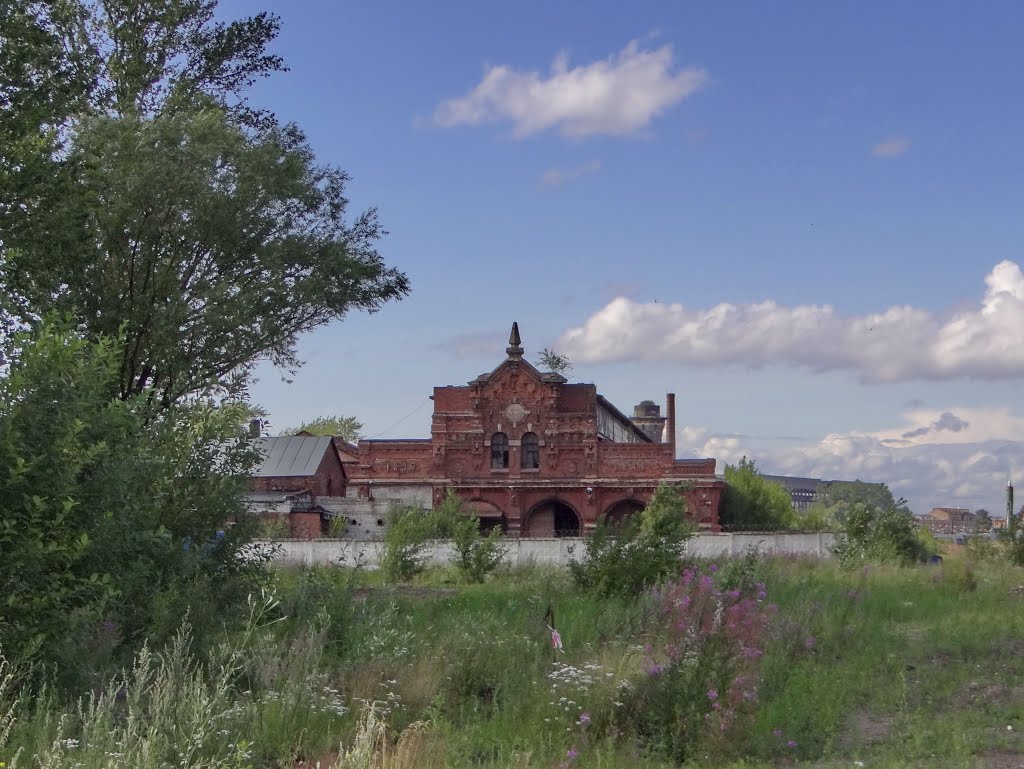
x=514, y=349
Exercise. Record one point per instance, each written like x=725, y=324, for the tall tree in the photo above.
x=204, y=229
x=752, y=501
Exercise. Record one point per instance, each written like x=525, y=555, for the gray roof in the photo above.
x=291, y=455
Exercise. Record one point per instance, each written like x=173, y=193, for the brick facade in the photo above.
x=539, y=456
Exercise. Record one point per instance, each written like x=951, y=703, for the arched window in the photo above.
x=530, y=454
x=499, y=451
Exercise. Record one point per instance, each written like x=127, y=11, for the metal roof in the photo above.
x=291, y=455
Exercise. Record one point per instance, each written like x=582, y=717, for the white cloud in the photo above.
x=616, y=96
x=965, y=467
x=891, y=148
x=897, y=344
x=556, y=177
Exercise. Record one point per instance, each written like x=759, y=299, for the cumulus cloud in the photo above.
x=897, y=344
x=556, y=177
x=891, y=148
x=614, y=96
x=968, y=468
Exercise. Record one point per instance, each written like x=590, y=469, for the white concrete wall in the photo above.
x=556, y=552
x=367, y=519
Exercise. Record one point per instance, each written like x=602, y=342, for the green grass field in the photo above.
x=876, y=667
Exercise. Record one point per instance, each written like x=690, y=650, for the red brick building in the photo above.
x=536, y=455
x=296, y=474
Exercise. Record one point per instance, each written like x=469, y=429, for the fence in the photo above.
x=554, y=551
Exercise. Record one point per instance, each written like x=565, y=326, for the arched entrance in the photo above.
x=490, y=515
x=552, y=518
x=622, y=510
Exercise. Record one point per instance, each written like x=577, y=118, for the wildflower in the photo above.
x=713, y=568
x=584, y=718
x=572, y=753
x=791, y=744
x=712, y=694
x=777, y=732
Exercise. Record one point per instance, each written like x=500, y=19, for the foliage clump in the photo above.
x=638, y=553
x=114, y=510
x=701, y=683
x=880, y=535
x=411, y=529
x=753, y=502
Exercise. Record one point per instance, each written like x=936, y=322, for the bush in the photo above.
x=412, y=528
x=643, y=551
x=753, y=502
x=114, y=509
x=409, y=531
x=701, y=686
x=879, y=535
x=477, y=556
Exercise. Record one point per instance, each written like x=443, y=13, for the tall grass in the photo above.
x=883, y=665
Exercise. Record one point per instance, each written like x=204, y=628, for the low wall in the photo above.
x=555, y=552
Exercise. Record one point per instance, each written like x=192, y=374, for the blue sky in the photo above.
x=725, y=202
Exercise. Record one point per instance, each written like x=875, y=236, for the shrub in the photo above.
x=889, y=535
x=701, y=683
x=112, y=507
x=639, y=553
x=476, y=556
x=1013, y=541
x=409, y=531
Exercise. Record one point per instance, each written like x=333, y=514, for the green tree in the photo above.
x=549, y=360
x=752, y=501
x=882, y=535
x=984, y=521
x=203, y=230
x=112, y=512
x=347, y=428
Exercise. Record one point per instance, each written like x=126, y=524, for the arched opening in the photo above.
x=622, y=510
x=552, y=518
x=499, y=451
x=530, y=452
x=488, y=514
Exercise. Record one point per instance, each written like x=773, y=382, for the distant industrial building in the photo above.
x=804, y=492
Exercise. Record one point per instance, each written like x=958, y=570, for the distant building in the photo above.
x=526, y=451
x=297, y=473
x=950, y=520
x=804, y=492
x=536, y=455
